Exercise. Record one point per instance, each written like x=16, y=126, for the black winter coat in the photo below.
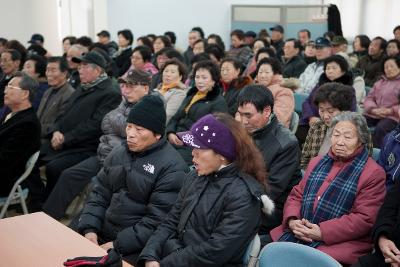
x=19, y=139
x=294, y=67
x=81, y=122
x=132, y=193
x=123, y=61
x=211, y=223
x=281, y=153
x=233, y=91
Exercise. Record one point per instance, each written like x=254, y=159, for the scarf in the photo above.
x=101, y=78
x=338, y=198
x=198, y=96
x=166, y=87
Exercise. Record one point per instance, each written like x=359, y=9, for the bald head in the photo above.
x=75, y=50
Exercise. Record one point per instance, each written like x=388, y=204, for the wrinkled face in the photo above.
x=29, y=68
x=139, y=139
x=88, y=73
x=235, y=41
x=72, y=52
x=8, y=65
x=289, y=50
x=137, y=60
x=344, y=139
x=257, y=45
x=391, y=69
x=193, y=37
x=327, y=112
x=374, y=48
x=13, y=94
x=206, y=161
x=265, y=74
x=122, y=42
x=55, y=78
x=392, y=49
x=66, y=45
x=310, y=51
x=333, y=71
x=251, y=119
x=158, y=45
x=133, y=92
x=171, y=74
x=228, y=72
x=303, y=37
x=198, y=48
x=203, y=80
x=322, y=52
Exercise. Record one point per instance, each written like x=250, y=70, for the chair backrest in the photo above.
x=375, y=153
x=294, y=123
x=288, y=254
x=299, y=98
x=250, y=257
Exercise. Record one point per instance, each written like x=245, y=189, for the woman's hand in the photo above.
x=389, y=251
x=305, y=230
x=92, y=237
x=107, y=245
x=173, y=139
x=152, y=264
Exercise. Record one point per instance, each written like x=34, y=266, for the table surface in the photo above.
x=36, y=239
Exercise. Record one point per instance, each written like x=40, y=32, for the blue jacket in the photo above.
x=389, y=157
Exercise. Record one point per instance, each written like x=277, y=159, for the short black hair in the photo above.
x=146, y=41
x=85, y=41
x=258, y=95
x=127, y=34
x=170, y=53
x=211, y=67
x=218, y=40
x=396, y=28
x=27, y=83
x=15, y=54
x=144, y=51
x=3, y=41
x=364, y=40
x=273, y=62
x=71, y=39
x=181, y=67
x=267, y=50
x=215, y=50
x=199, y=30
x=383, y=43
x=235, y=62
x=395, y=58
x=238, y=33
x=296, y=42
x=395, y=41
x=171, y=36
x=62, y=63
x=307, y=31
x=340, y=96
x=40, y=64
x=199, y=57
x=166, y=41
x=205, y=44
x=341, y=61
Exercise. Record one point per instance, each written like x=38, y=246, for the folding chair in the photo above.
x=375, y=153
x=299, y=98
x=250, y=258
x=17, y=195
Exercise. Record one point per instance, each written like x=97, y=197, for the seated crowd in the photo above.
x=187, y=156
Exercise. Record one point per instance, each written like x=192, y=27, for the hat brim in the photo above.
x=190, y=140
x=78, y=59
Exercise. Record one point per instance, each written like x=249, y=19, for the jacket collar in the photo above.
x=151, y=149
x=210, y=95
x=273, y=121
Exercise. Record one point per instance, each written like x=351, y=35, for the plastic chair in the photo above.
x=294, y=123
x=250, y=258
x=17, y=195
x=288, y=254
x=375, y=153
x=299, y=98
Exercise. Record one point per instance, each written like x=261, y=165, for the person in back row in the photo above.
x=137, y=186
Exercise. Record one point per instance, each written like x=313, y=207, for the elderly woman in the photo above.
x=141, y=60
x=269, y=74
x=161, y=42
x=334, y=206
x=204, y=98
x=172, y=87
x=257, y=45
x=232, y=82
x=331, y=99
x=218, y=210
x=381, y=104
x=393, y=48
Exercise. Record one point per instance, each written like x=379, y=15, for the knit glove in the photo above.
x=112, y=259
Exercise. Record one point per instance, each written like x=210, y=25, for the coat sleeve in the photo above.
x=299, y=68
x=239, y=222
x=358, y=223
x=90, y=128
x=174, y=102
x=369, y=101
x=387, y=217
x=284, y=106
x=163, y=197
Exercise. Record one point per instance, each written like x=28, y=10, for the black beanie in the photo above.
x=149, y=113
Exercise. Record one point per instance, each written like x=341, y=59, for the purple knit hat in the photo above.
x=209, y=133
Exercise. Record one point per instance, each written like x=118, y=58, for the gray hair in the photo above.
x=358, y=121
x=27, y=83
x=82, y=49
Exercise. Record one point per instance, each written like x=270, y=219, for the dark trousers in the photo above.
x=71, y=182
x=382, y=127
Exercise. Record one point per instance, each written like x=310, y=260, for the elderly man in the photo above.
x=55, y=98
x=277, y=34
x=19, y=132
x=75, y=135
x=304, y=37
x=75, y=50
x=277, y=144
x=104, y=38
x=9, y=62
x=294, y=63
x=137, y=186
x=74, y=179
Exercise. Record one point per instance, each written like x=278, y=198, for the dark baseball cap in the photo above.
x=104, y=33
x=250, y=34
x=322, y=42
x=339, y=40
x=91, y=57
x=35, y=38
x=277, y=28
